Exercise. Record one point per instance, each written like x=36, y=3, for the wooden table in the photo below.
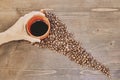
x=95, y=23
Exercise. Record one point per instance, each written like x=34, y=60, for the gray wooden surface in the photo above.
x=95, y=23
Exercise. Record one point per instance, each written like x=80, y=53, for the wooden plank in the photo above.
x=95, y=23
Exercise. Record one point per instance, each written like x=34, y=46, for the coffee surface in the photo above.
x=38, y=28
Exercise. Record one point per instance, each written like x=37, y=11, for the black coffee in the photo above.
x=38, y=28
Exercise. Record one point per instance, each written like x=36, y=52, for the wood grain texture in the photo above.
x=95, y=23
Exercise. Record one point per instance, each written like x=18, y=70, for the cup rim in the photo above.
x=36, y=18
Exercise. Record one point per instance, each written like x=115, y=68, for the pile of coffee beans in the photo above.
x=63, y=42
